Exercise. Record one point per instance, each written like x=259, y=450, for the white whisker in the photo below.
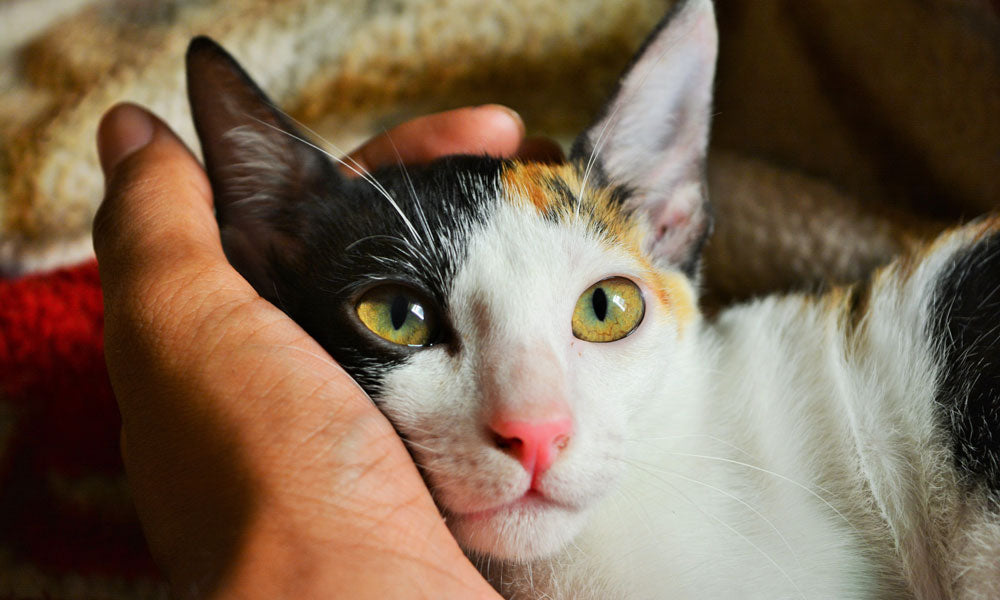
x=373, y=237
x=413, y=190
x=746, y=539
x=770, y=523
x=693, y=435
x=779, y=476
x=609, y=125
x=374, y=184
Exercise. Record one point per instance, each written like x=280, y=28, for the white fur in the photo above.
x=788, y=449
x=781, y=451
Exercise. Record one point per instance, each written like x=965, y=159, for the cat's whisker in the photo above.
x=635, y=507
x=360, y=168
x=418, y=205
x=425, y=468
x=411, y=429
x=683, y=496
x=649, y=440
x=324, y=359
x=413, y=190
x=777, y=475
x=593, y=159
x=427, y=449
x=611, y=123
x=731, y=496
x=370, y=178
x=350, y=246
x=277, y=296
x=735, y=531
x=691, y=435
x=363, y=174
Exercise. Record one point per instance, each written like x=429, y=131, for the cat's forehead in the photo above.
x=519, y=265
x=549, y=238
x=467, y=229
x=423, y=222
x=566, y=193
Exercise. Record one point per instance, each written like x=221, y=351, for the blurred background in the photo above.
x=846, y=131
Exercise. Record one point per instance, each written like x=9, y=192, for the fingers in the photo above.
x=237, y=427
x=123, y=130
x=491, y=129
x=157, y=210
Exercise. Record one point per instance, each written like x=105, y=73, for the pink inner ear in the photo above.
x=653, y=137
x=677, y=223
x=674, y=220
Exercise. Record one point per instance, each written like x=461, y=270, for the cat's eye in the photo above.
x=397, y=314
x=609, y=310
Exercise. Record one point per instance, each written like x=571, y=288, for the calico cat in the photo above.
x=533, y=333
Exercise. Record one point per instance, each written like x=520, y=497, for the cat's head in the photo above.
x=513, y=320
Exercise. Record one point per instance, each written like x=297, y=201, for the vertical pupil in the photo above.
x=398, y=311
x=600, y=302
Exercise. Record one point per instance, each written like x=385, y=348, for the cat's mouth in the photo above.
x=532, y=501
x=529, y=527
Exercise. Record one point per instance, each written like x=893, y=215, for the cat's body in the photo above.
x=816, y=461
x=532, y=331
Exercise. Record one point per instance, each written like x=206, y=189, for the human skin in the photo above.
x=258, y=468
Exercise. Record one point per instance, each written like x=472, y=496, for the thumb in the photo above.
x=157, y=209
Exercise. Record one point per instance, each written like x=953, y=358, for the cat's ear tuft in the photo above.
x=258, y=162
x=652, y=136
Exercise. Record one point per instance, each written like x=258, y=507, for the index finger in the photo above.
x=491, y=129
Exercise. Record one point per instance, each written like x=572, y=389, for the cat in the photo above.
x=533, y=333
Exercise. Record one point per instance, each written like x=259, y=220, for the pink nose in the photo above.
x=535, y=444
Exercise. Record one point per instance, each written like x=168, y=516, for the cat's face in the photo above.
x=522, y=344
x=512, y=320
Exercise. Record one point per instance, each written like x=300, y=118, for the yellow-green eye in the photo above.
x=396, y=314
x=608, y=311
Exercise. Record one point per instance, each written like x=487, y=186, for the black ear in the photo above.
x=653, y=135
x=259, y=164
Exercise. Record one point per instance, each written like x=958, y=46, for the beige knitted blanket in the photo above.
x=844, y=129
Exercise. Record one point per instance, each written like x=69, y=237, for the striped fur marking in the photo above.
x=555, y=192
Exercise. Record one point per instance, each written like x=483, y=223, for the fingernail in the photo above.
x=124, y=129
x=513, y=114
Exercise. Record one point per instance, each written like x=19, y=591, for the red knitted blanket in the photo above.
x=67, y=525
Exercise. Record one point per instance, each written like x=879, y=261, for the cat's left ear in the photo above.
x=653, y=135
x=262, y=168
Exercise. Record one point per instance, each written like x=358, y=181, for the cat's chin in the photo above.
x=526, y=529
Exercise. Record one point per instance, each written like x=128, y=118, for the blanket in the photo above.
x=845, y=132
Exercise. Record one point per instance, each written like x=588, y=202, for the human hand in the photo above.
x=258, y=467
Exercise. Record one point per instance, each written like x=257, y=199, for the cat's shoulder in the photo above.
x=963, y=304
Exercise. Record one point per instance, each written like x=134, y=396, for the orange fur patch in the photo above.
x=543, y=187
x=531, y=183
x=674, y=292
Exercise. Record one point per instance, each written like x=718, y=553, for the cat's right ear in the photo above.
x=652, y=137
x=258, y=162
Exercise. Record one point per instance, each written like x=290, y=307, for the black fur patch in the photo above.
x=350, y=238
x=966, y=322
